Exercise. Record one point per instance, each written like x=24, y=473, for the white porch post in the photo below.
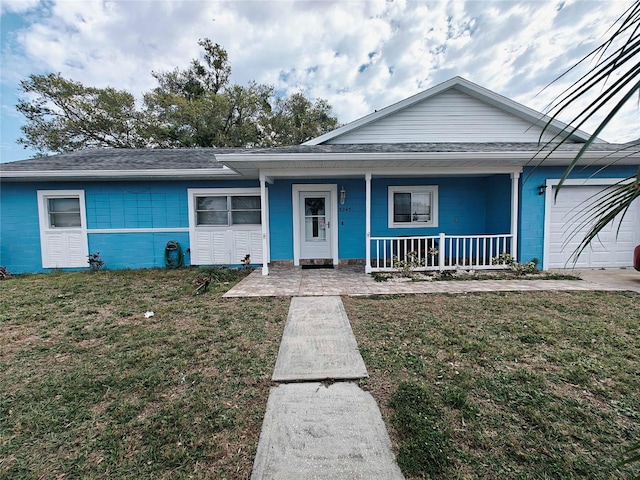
x=514, y=214
x=367, y=179
x=264, y=221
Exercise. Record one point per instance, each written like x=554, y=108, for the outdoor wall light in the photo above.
x=343, y=195
x=541, y=189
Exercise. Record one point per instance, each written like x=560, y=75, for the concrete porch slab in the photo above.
x=311, y=431
x=318, y=343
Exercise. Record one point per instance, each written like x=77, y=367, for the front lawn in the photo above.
x=91, y=388
x=505, y=385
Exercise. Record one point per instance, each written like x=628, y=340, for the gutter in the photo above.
x=155, y=174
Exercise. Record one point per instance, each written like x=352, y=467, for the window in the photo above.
x=64, y=212
x=225, y=210
x=413, y=206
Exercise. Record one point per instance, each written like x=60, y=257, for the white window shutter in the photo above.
x=77, y=250
x=203, y=249
x=256, y=247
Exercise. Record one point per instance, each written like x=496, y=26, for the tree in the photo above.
x=296, y=119
x=193, y=107
x=66, y=116
x=616, y=79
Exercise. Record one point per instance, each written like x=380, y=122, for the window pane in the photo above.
x=314, y=206
x=64, y=212
x=401, y=207
x=245, y=203
x=315, y=229
x=64, y=205
x=213, y=218
x=211, y=203
x=421, y=207
x=245, y=217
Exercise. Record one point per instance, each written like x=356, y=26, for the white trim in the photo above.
x=433, y=189
x=367, y=180
x=264, y=219
x=92, y=231
x=45, y=229
x=225, y=171
x=296, y=189
x=549, y=200
x=515, y=195
x=397, y=171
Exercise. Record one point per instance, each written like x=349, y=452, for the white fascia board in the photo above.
x=119, y=174
x=531, y=156
x=395, y=172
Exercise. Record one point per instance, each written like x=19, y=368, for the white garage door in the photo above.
x=612, y=248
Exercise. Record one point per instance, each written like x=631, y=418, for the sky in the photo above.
x=359, y=55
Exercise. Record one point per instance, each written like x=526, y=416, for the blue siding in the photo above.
x=281, y=220
x=498, y=188
x=352, y=220
x=135, y=250
x=531, y=234
x=109, y=205
x=19, y=228
x=463, y=204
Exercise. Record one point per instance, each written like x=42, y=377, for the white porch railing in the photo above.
x=441, y=252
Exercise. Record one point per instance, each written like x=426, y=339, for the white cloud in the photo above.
x=360, y=55
x=17, y=6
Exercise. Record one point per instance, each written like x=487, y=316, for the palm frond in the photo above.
x=610, y=205
x=616, y=74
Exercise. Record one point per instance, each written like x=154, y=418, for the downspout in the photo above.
x=514, y=214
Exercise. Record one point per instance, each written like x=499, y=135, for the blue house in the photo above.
x=445, y=177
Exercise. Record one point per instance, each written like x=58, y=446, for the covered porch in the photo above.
x=463, y=211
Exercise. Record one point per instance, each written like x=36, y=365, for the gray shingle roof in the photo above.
x=210, y=158
x=120, y=159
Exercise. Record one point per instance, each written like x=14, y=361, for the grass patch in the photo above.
x=505, y=385
x=93, y=389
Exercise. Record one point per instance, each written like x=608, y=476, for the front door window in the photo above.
x=315, y=219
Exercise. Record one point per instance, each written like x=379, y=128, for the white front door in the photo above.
x=315, y=225
x=315, y=222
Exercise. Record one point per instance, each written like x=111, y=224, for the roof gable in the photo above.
x=454, y=111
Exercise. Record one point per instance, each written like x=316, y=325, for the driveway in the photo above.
x=618, y=278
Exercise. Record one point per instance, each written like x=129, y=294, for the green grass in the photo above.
x=505, y=385
x=93, y=389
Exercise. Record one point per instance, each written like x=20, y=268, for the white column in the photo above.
x=367, y=179
x=264, y=220
x=514, y=214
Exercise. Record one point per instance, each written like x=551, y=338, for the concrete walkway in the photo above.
x=350, y=280
x=318, y=343
x=317, y=431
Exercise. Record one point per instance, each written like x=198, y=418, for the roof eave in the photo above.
x=155, y=174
